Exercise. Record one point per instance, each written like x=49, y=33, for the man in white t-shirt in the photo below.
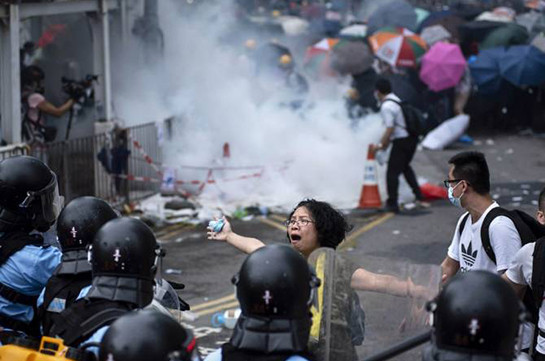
x=469, y=188
x=403, y=145
x=519, y=275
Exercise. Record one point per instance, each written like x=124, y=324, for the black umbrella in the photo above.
x=408, y=88
x=446, y=18
x=474, y=32
x=395, y=13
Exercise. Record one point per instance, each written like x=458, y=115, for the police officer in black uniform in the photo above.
x=76, y=227
x=124, y=262
x=148, y=335
x=275, y=288
x=476, y=317
x=29, y=206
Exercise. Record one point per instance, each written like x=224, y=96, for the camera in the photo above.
x=81, y=91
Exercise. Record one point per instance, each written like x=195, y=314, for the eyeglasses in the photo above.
x=447, y=182
x=300, y=222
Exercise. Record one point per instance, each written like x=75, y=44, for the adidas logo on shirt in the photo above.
x=469, y=255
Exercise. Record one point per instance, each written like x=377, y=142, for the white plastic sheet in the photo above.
x=446, y=133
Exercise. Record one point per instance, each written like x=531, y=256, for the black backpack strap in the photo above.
x=525, y=233
x=77, y=323
x=462, y=225
x=485, y=228
x=538, y=272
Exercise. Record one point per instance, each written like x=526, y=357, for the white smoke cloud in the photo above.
x=209, y=88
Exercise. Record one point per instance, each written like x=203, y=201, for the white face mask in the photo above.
x=456, y=201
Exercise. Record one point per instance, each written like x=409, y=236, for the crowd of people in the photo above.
x=93, y=284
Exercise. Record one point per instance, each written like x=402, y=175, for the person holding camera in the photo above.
x=35, y=105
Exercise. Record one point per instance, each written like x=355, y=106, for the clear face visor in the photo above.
x=50, y=200
x=165, y=294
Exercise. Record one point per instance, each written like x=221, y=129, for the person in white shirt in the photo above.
x=403, y=145
x=519, y=276
x=469, y=188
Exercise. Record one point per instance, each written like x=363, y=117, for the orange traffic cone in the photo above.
x=370, y=196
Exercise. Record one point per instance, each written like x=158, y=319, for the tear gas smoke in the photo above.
x=209, y=86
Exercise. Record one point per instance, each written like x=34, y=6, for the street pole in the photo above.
x=106, y=59
x=10, y=86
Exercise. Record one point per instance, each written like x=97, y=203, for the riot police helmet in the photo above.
x=29, y=194
x=276, y=282
x=147, y=335
x=125, y=247
x=477, y=313
x=80, y=220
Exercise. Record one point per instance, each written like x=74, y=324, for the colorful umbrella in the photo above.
x=398, y=46
x=351, y=57
x=434, y=34
x=442, y=66
x=523, y=65
x=318, y=57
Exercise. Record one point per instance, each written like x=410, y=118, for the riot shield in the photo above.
x=330, y=336
x=338, y=320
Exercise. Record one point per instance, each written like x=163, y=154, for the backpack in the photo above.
x=415, y=119
x=529, y=231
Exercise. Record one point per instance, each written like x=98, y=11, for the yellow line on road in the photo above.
x=273, y=224
x=278, y=217
x=349, y=241
x=216, y=309
x=213, y=302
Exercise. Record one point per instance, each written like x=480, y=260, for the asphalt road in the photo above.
x=404, y=245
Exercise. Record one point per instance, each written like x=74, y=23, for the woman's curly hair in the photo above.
x=331, y=224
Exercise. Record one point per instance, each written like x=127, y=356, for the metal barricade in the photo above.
x=13, y=150
x=106, y=165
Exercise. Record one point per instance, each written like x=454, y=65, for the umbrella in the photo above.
x=398, y=46
x=446, y=18
x=317, y=57
x=435, y=33
x=467, y=9
x=406, y=89
x=511, y=34
x=442, y=66
x=351, y=57
x=421, y=15
x=354, y=31
x=535, y=4
x=533, y=21
x=474, y=32
x=485, y=71
x=495, y=16
x=523, y=65
x=539, y=42
x=397, y=13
